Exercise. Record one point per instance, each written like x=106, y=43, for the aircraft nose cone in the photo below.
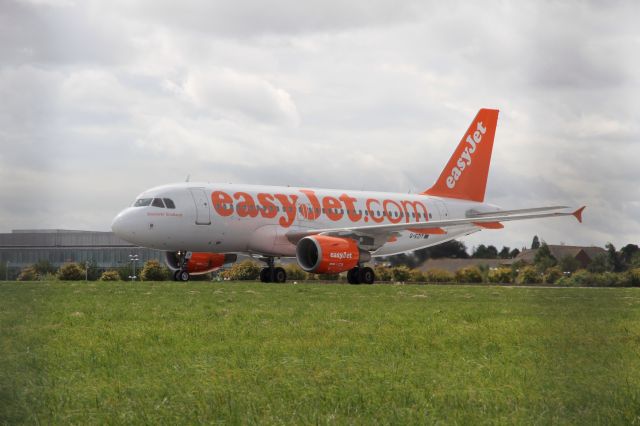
x=122, y=225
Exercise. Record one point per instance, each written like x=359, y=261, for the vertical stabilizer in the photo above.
x=465, y=175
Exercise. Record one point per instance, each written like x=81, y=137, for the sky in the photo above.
x=100, y=100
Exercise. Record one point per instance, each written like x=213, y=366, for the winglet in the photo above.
x=578, y=213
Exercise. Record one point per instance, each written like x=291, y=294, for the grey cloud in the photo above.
x=249, y=18
x=102, y=100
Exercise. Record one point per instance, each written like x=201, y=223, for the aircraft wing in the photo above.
x=481, y=220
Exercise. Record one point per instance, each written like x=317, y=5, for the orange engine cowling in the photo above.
x=329, y=255
x=201, y=263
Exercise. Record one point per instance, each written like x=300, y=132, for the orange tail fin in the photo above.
x=465, y=176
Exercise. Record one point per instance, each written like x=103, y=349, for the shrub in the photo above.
x=382, y=273
x=607, y=279
x=569, y=264
x=552, y=275
x=633, y=277
x=44, y=267
x=500, y=275
x=400, y=273
x=154, y=271
x=110, y=276
x=470, y=274
x=416, y=276
x=329, y=277
x=528, y=275
x=28, y=274
x=71, y=272
x=439, y=276
x=295, y=272
x=245, y=270
x=581, y=277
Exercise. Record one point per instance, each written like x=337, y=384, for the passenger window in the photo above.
x=169, y=203
x=157, y=202
x=142, y=202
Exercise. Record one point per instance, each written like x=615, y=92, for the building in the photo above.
x=22, y=248
x=584, y=255
x=453, y=265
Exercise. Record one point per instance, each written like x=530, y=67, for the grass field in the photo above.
x=167, y=353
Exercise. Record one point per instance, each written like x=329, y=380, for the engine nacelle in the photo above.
x=200, y=263
x=322, y=254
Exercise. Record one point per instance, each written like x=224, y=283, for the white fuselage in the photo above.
x=253, y=219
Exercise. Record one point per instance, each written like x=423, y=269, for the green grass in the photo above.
x=167, y=353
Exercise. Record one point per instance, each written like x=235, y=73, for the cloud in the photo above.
x=225, y=91
x=101, y=100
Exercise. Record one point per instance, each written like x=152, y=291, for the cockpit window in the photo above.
x=142, y=202
x=157, y=202
x=169, y=203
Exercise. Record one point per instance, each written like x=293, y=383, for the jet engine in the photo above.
x=322, y=254
x=200, y=263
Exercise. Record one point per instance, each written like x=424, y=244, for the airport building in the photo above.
x=21, y=248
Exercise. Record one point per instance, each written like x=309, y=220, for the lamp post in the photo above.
x=133, y=258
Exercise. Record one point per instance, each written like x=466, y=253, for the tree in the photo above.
x=485, y=252
x=614, y=262
x=598, y=264
x=627, y=252
x=451, y=249
x=154, y=271
x=543, y=258
x=569, y=264
x=535, y=244
x=71, y=272
x=514, y=253
x=504, y=253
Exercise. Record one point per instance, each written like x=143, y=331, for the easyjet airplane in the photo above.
x=202, y=226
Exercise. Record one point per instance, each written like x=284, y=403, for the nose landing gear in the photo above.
x=272, y=274
x=182, y=274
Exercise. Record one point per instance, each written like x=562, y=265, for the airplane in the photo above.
x=203, y=226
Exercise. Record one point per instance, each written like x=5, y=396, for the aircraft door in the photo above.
x=203, y=212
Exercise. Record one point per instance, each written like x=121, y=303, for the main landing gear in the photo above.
x=182, y=274
x=361, y=275
x=272, y=274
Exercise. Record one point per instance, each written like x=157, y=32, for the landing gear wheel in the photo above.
x=175, y=276
x=353, y=276
x=366, y=275
x=265, y=275
x=279, y=275
x=183, y=276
